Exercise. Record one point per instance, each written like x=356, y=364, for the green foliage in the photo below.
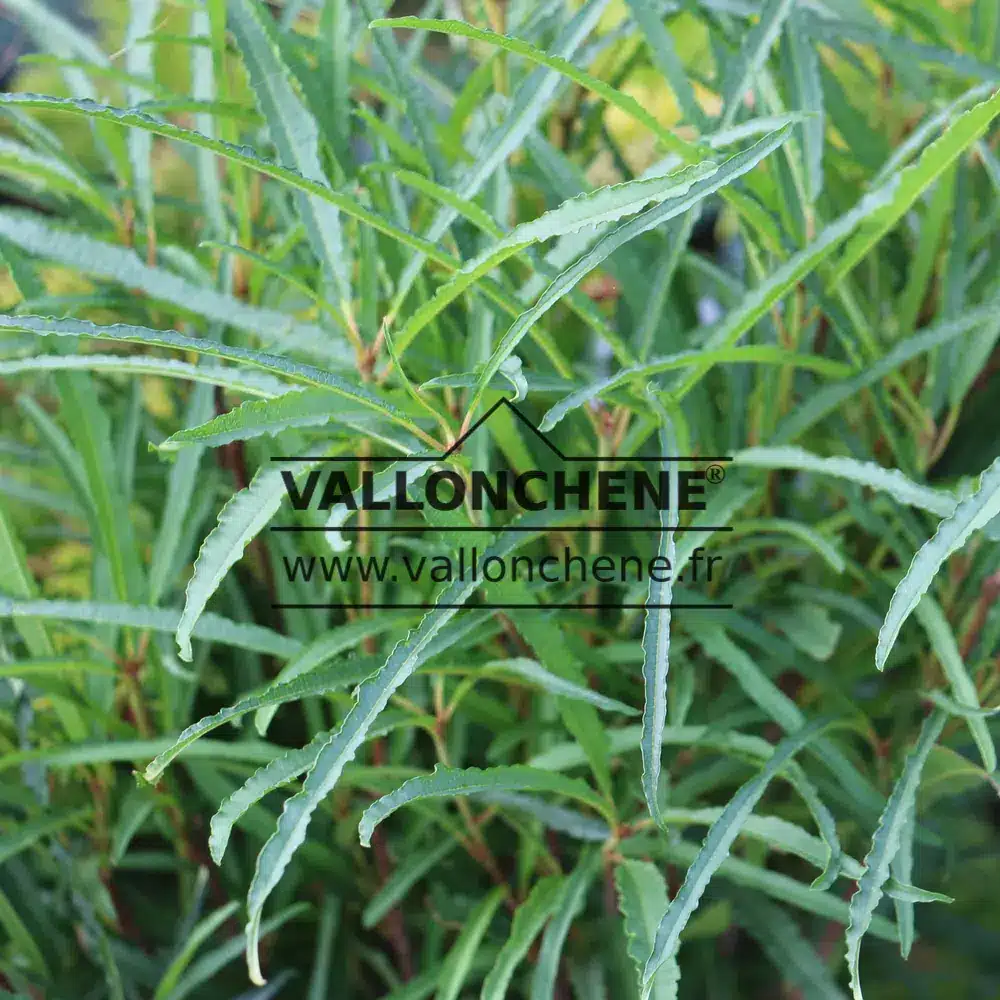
x=258, y=242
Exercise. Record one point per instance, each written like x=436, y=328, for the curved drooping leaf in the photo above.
x=266, y=779
x=727, y=172
x=885, y=844
x=318, y=682
x=963, y=687
x=210, y=627
x=529, y=919
x=876, y=477
x=372, y=696
x=715, y=849
x=971, y=514
x=298, y=408
x=642, y=900
x=766, y=354
x=656, y=627
x=447, y=782
x=243, y=517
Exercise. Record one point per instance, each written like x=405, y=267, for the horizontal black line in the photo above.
x=357, y=529
x=440, y=458
x=510, y=607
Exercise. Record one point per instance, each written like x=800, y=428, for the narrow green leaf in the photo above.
x=952, y=707
x=317, y=682
x=210, y=627
x=293, y=130
x=572, y=898
x=656, y=628
x=410, y=871
x=749, y=354
x=458, y=962
x=757, y=302
x=534, y=672
x=243, y=517
x=31, y=832
x=890, y=481
x=92, y=256
x=661, y=47
x=754, y=49
x=728, y=171
x=91, y=433
x=447, y=782
x=17, y=581
x=372, y=696
x=803, y=58
x=272, y=775
x=971, y=514
x=243, y=155
x=830, y=398
x=250, y=383
x=203, y=89
x=931, y=617
x=201, y=933
x=292, y=370
x=527, y=106
x=885, y=845
x=715, y=850
x=604, y=205
x=42, y=172
x=329, y=918
x=642, y=899
x=180, y=490
x=305, y=408
x=139, y=64
x=556, y=63
x=791, y=953
x=529, y=919
x=912, y=181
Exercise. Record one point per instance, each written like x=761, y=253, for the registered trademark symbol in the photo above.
x=715, y=473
